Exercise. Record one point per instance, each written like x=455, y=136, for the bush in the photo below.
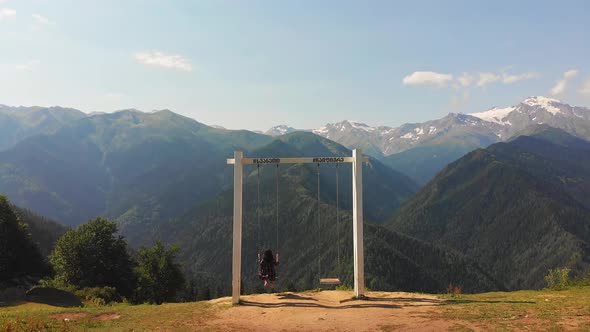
x=454, y=290
x=344, y=287
x=158, y=276
x=557, y=279
x=99, y=295
x=93, y=256
x=582, y=280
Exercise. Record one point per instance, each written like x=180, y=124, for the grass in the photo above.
x=535, y=310
x=500, y=311
x=168, y=317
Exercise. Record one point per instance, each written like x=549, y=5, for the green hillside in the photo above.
x=308, y=251
x=517, y=208
x=18, y=123
x=142, y=166
x=423, y=162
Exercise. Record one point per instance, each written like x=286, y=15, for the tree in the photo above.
x=93, y=256
x=158, y=276
x=19, y=255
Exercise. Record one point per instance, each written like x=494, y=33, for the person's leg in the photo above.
x=265, y=283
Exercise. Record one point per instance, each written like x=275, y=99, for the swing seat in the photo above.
x=330, y=281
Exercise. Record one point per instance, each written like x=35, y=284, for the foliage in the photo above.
x=582, y=280
x=159, y=278
x=557, y=279
x=19, y=255
x=92, y=256
x=44, y=232
x=454, y=290
x=99, y=295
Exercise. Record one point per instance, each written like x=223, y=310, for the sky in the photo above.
x=255, y=64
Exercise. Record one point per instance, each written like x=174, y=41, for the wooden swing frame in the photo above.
x=356, y=160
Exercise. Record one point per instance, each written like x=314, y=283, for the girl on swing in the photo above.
x=267, y=270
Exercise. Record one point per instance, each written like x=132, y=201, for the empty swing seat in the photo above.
x=330, y=281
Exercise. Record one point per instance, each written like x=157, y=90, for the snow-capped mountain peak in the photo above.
x=543, y=102
x=344, y=126
x=495, y=114
x=530, y=106
x=280, y=130
x=479, y=129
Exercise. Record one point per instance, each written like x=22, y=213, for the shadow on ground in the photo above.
x=317, y=305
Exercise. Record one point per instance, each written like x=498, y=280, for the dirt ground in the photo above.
x=332, y=311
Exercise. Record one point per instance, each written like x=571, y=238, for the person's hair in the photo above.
x=268, y=257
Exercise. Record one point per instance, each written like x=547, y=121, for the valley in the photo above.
x=480, y=223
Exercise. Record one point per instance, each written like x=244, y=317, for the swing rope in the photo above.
x=338, y=220
x=277, y=207
x=258, y=208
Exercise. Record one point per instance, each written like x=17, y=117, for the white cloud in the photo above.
x=156, y=58
x=509, y=79
x=40, y=19
x=487, y=78
x=465, y=79
x=428, y=78
x=560, y=86
x=585, y=88
x=7, y=13
x=29, y=66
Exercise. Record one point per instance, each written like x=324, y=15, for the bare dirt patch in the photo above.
x=69, y=315
x=107, y=316
x=331, y=311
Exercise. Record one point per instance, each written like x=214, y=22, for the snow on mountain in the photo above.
x=421, y=150
x=546, y=103
x=280, y=130
x=475, y=129
x=530, y=106
x=495, y=114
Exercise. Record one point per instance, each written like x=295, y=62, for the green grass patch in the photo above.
x=539, y=310
x=117, y=317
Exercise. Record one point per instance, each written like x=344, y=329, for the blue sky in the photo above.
x=254, y=64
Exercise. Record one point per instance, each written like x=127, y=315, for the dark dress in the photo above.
x=267, y=267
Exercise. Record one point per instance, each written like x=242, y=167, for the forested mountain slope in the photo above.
x=143, y=166
x=310, y=249
x=517, y=208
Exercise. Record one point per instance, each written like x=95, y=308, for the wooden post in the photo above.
x=357, y=222
x=237, y=231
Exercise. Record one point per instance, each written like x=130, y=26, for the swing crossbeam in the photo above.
x=308, y=160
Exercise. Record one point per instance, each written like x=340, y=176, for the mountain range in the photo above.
x=18, y=123
x=420, y=150
x=496, y=217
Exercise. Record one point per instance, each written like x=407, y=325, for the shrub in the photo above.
x=344, y=287
x=93, y=256
x=557, y=279
x=454, y=290
x=99, y=295
x=158, y=276
x=582, y=280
